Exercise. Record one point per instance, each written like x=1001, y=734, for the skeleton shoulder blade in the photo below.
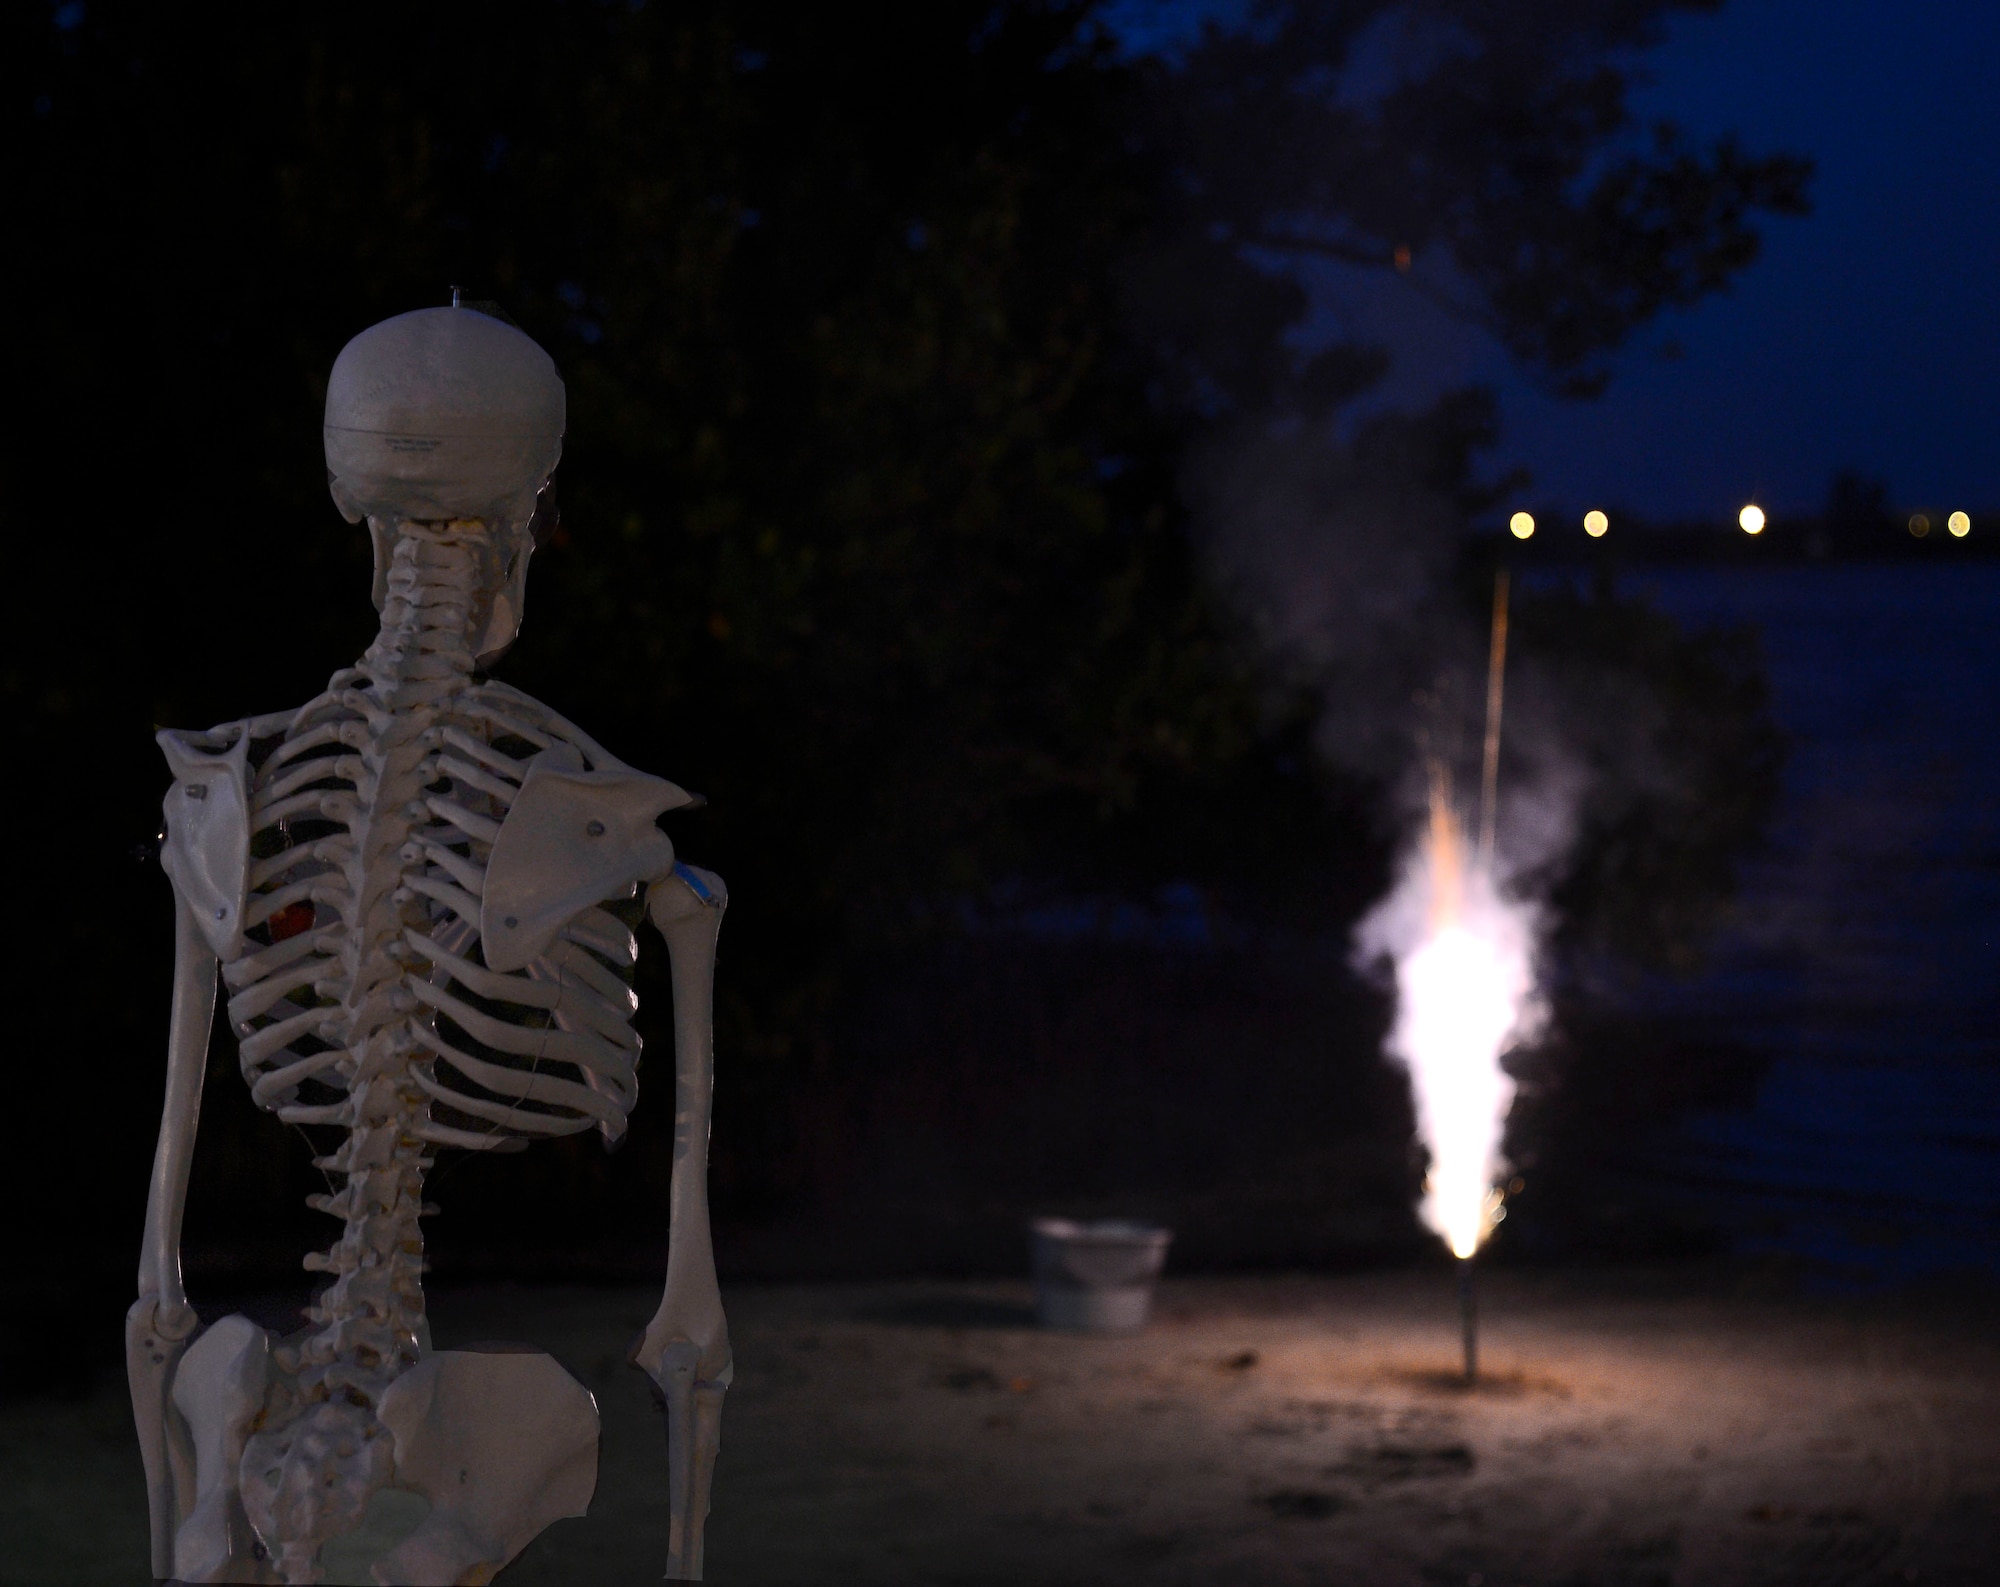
x=207, y=848
x=571, y=839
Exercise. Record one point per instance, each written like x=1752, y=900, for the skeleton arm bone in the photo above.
x=685, y=1349
x=205, y=856
x=161, y=1324
x=187, y=1055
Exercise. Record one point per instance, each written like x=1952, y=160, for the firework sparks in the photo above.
x=1464, y=994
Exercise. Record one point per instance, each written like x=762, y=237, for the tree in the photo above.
x=887, y=330
x=1486, y=152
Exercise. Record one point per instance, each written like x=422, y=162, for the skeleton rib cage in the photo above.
x=502, y=1057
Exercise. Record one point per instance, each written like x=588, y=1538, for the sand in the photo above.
x=1632, y=1428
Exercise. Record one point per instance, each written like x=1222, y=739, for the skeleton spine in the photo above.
x=310, y=1475
x=370, y=1315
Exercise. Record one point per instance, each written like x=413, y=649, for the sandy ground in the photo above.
x=1633, y=1429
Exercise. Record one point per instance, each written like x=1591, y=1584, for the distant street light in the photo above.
x=1522, y=524
x=1752, y=519
x=1959, y=525
x=1595, y=523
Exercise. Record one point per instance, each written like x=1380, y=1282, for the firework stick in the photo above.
x=1489, y=771
x=1468, y=1318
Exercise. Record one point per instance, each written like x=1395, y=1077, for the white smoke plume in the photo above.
x=1341, y=564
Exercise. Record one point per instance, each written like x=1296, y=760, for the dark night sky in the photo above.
x=1865, y=336
x=1861, y=339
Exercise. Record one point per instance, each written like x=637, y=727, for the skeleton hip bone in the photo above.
x=420, y=891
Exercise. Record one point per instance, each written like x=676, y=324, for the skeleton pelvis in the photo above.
x=489, y=1448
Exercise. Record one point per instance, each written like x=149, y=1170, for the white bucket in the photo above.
x=1096, y=1277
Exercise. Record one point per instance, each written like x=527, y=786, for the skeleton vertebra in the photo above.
x=420, y=888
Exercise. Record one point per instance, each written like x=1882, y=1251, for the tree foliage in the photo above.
x=1487, y=151
x=886, y=328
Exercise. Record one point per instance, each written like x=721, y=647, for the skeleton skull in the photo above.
x=444, y=414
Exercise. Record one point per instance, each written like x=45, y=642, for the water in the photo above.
x=1863, y=957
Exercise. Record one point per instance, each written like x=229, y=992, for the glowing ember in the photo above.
x=1464, y=994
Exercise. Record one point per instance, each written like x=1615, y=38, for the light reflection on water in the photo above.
x=1863, y=956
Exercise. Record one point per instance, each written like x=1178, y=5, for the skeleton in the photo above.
x=419, y=891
